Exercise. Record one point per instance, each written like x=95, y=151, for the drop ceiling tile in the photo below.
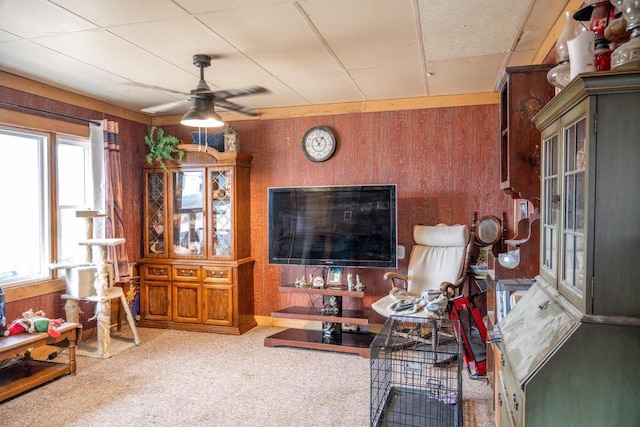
x=451, y=31
x=468, y=75
x=5, y=37
x=37, y=18
x=521, y=57
x=46, y=66
x=119, y=12
x=384, y=32
x=229, y=67
x=277, y=37
x=400, y=81
x=325, y=88
x=201, y=6
x=187, y=37
x=110, y=53
x=540, y=21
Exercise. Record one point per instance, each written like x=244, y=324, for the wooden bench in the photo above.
x=19, y=377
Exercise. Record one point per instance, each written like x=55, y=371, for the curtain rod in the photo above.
x=52, y=113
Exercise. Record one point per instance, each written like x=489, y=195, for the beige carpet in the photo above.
x=177, y=378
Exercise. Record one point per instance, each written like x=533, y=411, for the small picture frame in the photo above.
x=335, y=276
x=521, y=209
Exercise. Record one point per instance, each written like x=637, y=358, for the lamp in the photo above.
x=559, y=76
x=202, y=114
x=627, y=56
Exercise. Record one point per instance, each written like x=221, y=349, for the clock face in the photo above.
x=319, y=143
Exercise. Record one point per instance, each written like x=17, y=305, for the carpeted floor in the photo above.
x=177, y=378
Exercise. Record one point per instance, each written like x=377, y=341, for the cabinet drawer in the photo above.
x=218, y=274
x=155, y=272
x=186, y=273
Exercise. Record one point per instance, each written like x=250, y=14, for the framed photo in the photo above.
x=522, y=209
x=335, y=276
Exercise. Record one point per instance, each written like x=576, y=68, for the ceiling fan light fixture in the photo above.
x=202, y=114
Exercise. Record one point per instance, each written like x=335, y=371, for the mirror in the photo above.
x=488, y=230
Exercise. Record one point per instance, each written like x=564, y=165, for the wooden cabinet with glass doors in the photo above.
x=582, y=312
x=197, y=269
x=590, y=201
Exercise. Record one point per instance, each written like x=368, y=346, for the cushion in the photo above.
x=441, y=235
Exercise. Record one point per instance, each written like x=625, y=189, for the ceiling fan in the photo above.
x=203, y=99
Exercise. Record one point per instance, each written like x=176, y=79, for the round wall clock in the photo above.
x=319, y=143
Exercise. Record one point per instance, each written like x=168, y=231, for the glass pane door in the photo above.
x=188, y=212
x=550, y=205
x=221, y=215
x=155, y=214
x=573, y=231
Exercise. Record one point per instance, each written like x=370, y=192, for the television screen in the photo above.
x=334, y=225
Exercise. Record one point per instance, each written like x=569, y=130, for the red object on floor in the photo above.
x=474, y=335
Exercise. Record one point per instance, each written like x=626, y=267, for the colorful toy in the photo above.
x=34, y=321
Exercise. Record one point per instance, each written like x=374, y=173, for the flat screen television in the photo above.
x=351, y=226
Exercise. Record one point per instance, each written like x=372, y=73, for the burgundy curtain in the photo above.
x=114, y=226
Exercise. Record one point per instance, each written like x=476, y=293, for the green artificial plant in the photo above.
x=161, y=147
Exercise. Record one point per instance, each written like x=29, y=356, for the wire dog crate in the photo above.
x=416, y=367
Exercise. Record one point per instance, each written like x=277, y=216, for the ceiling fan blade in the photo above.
x=228, y=105
x=221, y=95
x=160, y=88
x=164, y=107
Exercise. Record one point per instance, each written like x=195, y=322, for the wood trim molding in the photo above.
x=30, y=86
x=24, y=291
x=43, y=124
x=485, y=98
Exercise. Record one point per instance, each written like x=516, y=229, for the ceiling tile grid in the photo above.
x=138, y=53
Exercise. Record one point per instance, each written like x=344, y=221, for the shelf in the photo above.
x=356, y=317
x=346, y=342
x=25, y=375
x=337, y=291
x=14, y=381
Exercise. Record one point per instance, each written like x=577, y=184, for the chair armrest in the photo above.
x=392, y=277
x=445, y=286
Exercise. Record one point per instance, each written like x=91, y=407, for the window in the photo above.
x=28, y=226
x=25, y=214
x=74, y=192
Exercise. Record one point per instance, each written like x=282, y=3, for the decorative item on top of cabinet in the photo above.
x=197, y=269
x=523, y=92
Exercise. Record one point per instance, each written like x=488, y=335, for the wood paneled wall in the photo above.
x=445, y=162
x=133, y=150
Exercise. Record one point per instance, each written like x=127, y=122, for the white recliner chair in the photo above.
x=437, y=270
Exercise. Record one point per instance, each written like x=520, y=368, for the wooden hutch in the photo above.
x=197, y=269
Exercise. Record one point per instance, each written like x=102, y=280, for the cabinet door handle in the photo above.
x=515, y=402
x=186, y=272
x=156, y=271
x=502, y=359
x=500, y=399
